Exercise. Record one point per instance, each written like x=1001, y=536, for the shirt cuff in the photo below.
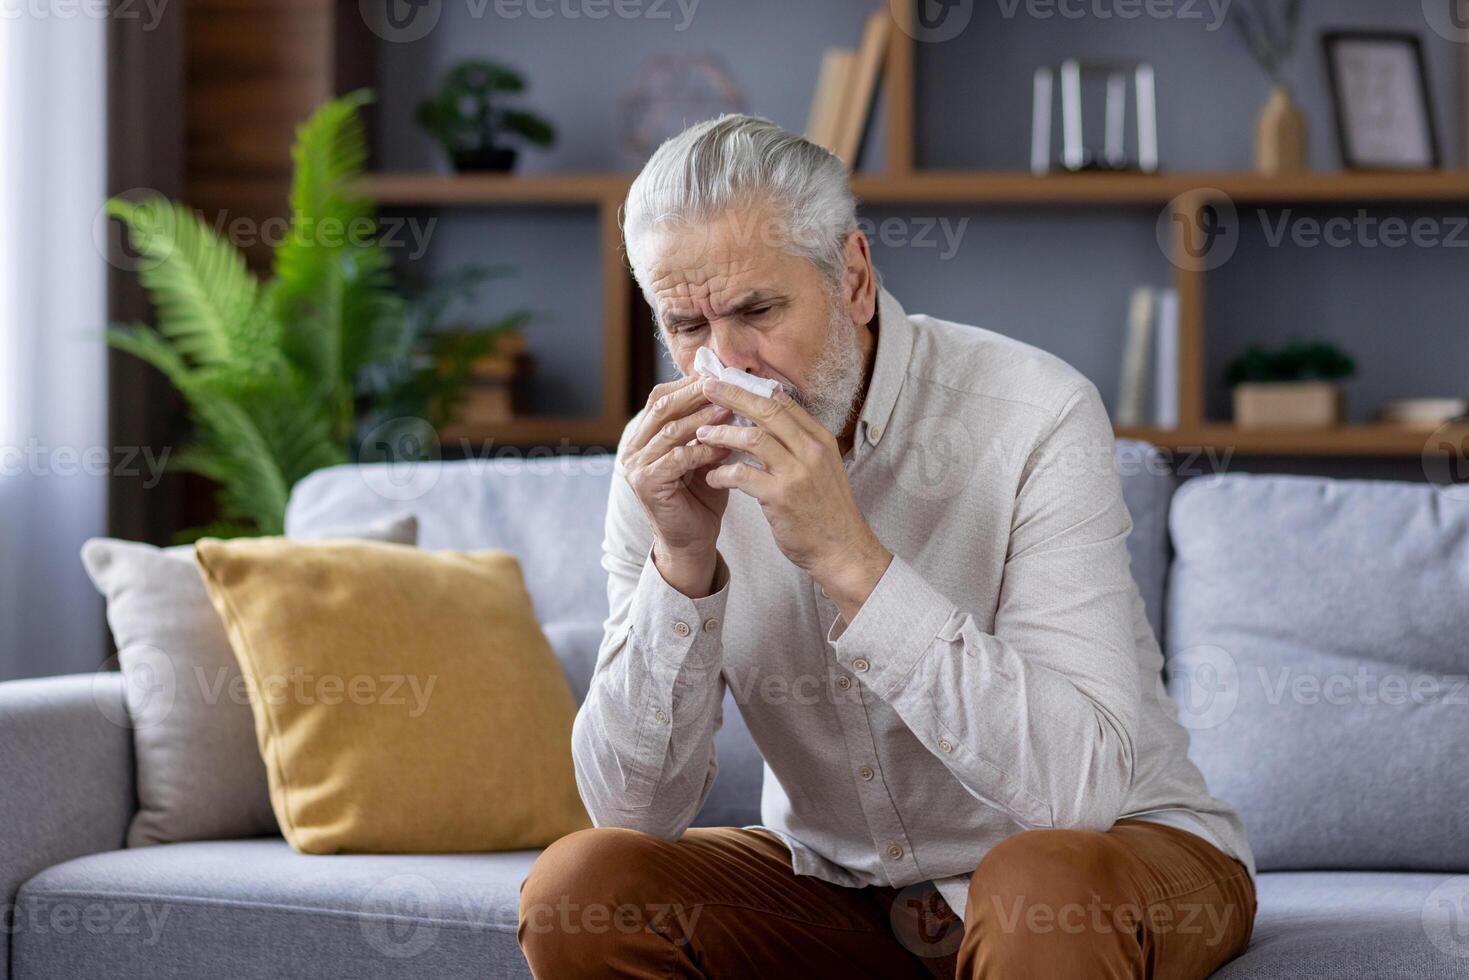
x=680, y=630
x=894, y=628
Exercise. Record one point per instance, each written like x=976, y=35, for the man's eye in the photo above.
x=758, y=311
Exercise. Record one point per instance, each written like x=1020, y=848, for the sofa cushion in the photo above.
x=1315, y=639
x=256, y=910
x=404, y=700
x=1378, y=924
x=1147, y=488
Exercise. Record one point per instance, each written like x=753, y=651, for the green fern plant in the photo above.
x=269, y=369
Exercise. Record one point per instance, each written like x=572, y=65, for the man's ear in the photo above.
x=859, y=283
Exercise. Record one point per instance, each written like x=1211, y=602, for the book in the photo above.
x=1165, y=363
x=862, y=88
x=826, y=102
x=1132, y=388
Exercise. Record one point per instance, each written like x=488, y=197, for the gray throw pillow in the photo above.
x=1316, y=652
x=199, y=773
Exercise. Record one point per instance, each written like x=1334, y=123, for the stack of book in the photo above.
x=1147, y=393
x=841, y=108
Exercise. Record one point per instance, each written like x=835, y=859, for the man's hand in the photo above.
x=803, y=491
x=665, y=468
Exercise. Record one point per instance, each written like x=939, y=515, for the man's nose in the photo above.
x=732, y=349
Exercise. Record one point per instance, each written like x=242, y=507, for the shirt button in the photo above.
x=844, y=682
x=860, y=665
x=825, y=594
x=874, y=433
x=946, y=745
x=682, y=628
x=894, y=851
x=661, y=715
x=710, y=625
x=865, y=772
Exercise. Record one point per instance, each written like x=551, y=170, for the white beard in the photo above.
x=835, y=380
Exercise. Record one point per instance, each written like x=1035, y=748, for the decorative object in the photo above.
x=1292, y=387
x=1280, y=134
x=1426, y=413
x=467, y=117
x=444, y=369
x=1384, y=112
x=670, y=92
x=269, y=370
x=488, y=384
x=199, y=771
x=1083, y=85
x=449, y=727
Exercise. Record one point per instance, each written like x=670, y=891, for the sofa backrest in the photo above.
x=549, y=512
x=1318, y=647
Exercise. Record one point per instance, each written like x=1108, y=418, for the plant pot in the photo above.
x=1288, y=405
x=486, y=159
x=1280, y=136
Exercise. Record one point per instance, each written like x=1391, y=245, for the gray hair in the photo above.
x=738, y=161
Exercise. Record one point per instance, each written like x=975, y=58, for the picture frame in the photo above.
x=1382, y=101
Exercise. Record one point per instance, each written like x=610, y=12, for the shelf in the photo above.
x=955, y=187
x=556, y=433
x=449, y=189
x=993, y=188
x=1364, y=439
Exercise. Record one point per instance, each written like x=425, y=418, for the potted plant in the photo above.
x=278, y=374
x=468, y=118
x=1295, y=386
x=1280, y=134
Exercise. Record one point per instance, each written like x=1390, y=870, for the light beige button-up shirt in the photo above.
x=1002, y=675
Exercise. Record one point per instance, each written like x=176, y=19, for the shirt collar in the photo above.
x=894, y=348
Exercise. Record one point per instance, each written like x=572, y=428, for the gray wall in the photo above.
x=1056, y=277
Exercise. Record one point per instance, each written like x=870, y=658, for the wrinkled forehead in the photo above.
x=707, y=266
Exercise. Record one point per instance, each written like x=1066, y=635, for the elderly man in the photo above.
x=911, y=567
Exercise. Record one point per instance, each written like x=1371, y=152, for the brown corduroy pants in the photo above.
x=1140, y=900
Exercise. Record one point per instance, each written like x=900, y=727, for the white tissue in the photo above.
x=707, y=363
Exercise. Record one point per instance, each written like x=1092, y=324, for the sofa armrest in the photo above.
x=66, y=778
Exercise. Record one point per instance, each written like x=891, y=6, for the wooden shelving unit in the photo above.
x=901, y=184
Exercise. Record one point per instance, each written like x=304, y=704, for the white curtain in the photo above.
x=53, y=397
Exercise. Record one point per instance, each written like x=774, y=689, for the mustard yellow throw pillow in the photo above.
x=404, y=700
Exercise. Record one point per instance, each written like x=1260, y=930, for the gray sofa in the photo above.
x=1265, y=589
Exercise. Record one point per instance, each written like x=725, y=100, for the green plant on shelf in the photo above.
x=1305, y=361
x=468, y=117
x=434, y=366
x=278, y=375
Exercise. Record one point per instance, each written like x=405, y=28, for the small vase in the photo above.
x=1280, y=136
x=492, y=159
